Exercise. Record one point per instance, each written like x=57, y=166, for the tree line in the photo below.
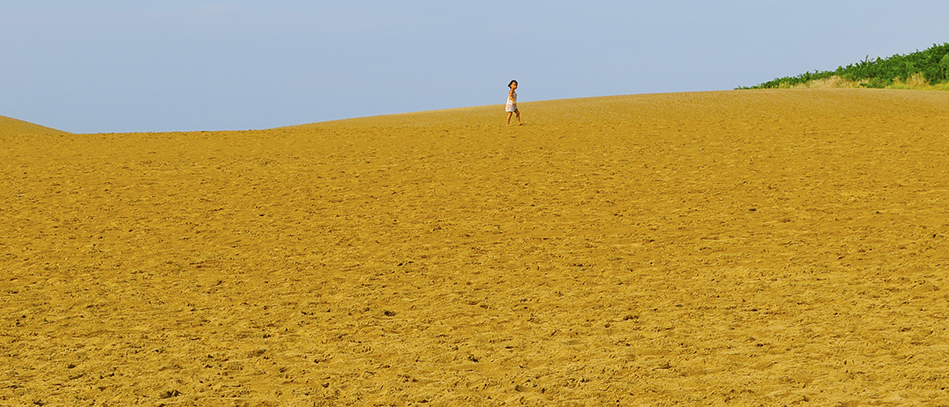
x=932, y=64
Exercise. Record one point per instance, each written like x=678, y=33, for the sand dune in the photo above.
x=11, y=127
x=720, y=248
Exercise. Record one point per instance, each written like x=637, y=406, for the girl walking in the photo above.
x=511, y=107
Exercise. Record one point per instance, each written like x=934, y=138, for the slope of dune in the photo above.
x=719, y=248
x=10, y=127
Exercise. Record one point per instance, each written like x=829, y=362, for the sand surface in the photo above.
x=13, y=127
x=722, y=248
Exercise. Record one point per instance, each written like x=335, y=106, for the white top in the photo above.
x=511, y=102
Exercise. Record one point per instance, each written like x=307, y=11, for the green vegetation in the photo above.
x=932, y=65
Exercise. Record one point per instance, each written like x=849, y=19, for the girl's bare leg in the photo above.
x=509, y=117
x=518, y=113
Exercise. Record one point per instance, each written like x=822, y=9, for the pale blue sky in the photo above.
x=124, y=66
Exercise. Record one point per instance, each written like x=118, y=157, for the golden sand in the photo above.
x=722, y=248
x=13, y=127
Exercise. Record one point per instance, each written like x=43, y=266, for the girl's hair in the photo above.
x=511, y=83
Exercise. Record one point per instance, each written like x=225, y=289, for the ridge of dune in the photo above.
x=13, y=127
x=765, y=247
x=747, y=104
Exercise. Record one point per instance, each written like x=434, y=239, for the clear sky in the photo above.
x=173, y=65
